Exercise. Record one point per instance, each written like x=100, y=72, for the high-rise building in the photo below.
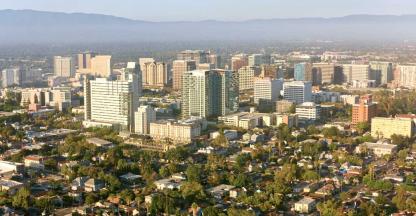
x=239, y=61
x=63, y=66
x=297, y=91
x=355, y=72
x=229, y=92
x=196, y=94
x=11, y=76
x=303, y=72
x=215, y=60
x=101, y=66
x=407, y=76
x=84, y=60
x=142, y=119
x=382, y=72
x=209, y=93
x=179, y=67
x=255, y=60
x=155, y=74
x=246, y=77
x=326, y=72
x=110, y=102
x=199, y=56
x=134, y=68
x=267, y=89
x=269, y=71
x=364, y=111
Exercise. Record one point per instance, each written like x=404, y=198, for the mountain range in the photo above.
x=28, y=26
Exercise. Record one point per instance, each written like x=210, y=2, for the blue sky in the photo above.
x=192, y=10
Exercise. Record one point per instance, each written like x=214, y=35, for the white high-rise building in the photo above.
x=111, y=102
x=255, y=60
x=267, y=89
x=297, y=91
x=63, y=66
x=11, y=76
x=142, y=119
x=195, y=94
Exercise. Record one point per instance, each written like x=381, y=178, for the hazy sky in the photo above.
x=174, y=10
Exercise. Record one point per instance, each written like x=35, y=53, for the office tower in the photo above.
x=111, y=103
x=407, y=76
x=308, y=111
x=209, y=93
x=63, y=66
x=283, y=106
x=246, y=76
x=84, y=60
x=297, y=91
x=382, y=72
x=364, y=111
x=324, y=71
x=239, y=61
x=134, y=68
x=229, y=92
x=179, y=67
x=303, y=72
x=338, y=75
x=267, y=89
x=32, y=75
x=196, y=94
x=355, y=72
x=215, y=60
x=269, y=71
x=199, y=56
x=101, y=66
x=255, y=60
x=155, y=74
x=385, y=127
x=11, y=76
x=142, y=119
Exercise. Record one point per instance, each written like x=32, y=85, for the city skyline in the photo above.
x=187, y=10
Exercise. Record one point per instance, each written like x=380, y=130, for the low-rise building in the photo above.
x=308, y=111
x=10, y=186
x=34, y=161
x=177, y=131
x=305, y=205
x=99, y=142
x=379, y=149
x=385, y=127
x=7, y=167
x=93, y=185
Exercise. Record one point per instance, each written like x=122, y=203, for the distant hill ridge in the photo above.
x=44, y=27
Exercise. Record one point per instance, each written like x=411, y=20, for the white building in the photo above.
x=267, y=89
x=297, y=91
x=407, y=75
x=308, y=111
x=255, y=60
x=111, y=103
x=305, y=205
x=142, y=119
x=177, y=131
x=63, y=66
x=11, y=76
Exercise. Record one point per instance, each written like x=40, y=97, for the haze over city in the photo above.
x=208, y=108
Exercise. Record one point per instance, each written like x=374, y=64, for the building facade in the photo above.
x=246, y=77
x=63, y=66
x=297, y=91
x=364, y=111
x=142, y=119
x=267, y=89
x=179, y=67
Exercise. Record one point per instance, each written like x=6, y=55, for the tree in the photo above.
x=91, y=198
x=329, y=208
x=310, y=175
x=21, y=198
x=193, y=173
x=362, y=127
x=211, y=211
x=192, y=191
x=400, y=199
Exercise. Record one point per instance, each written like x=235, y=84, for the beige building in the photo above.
x=385, y=127
x=305, y=205
x=246, y=120
x=84, y=60
x=179, y=67
x=283, y=106
x=326, y=71
x=379, y=149
x=101, y=65
x=246, y=76
x=355, y=72
x=63, y=66
x=176, y=131
x=407, y=75
x=154, y=74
